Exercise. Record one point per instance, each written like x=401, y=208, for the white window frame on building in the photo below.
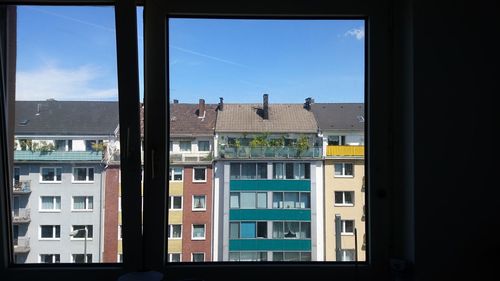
x=173, y=171
x=74, y=257
x=197, y=253
x=207, y=147
x=343, y=173
x=172, y=200
x=194, y=203
x=186, y=148
x=344, y=227
x=56, y=171
x=88, y=200
x=205, y=174
x=56, y=258
x=54, y=236
x=88, y=179
x=342, y=195
x=171, y=231
x=89, y=232
x=171, y=257
x=198, y=237
x=56, y=200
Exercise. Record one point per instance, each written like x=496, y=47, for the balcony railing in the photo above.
x=269, y=152
x=27, y=155
x=21, y=215
x=22, y=187
x=345, y=150
x=22, y=245
x=192, y=157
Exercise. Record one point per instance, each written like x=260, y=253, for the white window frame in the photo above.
x=193, y=208
x=55, y=175
x=344, y=254
x=197, y=253
x=343, y=228
x=53, y=258
x=199, y=181
x=171, y=178
x=190, y=146
x=344, y=204
x=204, y=232
x=171, y=200
x=119, y=203
x=53, y=232
x=171, y=254
x=198, y=145
x=119, y=258
x=171, y=228
x=120, y=234
x=54, y=201
x=87, y=209
x=86, y=175
x=89, y=259
x=73, y=238
x=343, y=175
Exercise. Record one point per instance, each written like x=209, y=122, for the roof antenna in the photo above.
x=37, y=110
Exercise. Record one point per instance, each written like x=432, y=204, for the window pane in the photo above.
x=247, y=200
x=261, y=200
x=247, y=230
x=235, y=170
x=234, y=230
x=235, y=201
x=277, y=200
x=262, y=229
x=248, y=171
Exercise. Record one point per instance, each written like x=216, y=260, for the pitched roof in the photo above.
x=184, y=120
x=283, y=118
x=339, y=116
x=66, y=117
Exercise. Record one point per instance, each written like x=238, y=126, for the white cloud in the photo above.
x=358, y=33
x=62, y=84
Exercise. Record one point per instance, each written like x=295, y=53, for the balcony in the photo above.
x=357, y=151
x=22, y=187
x=21, y=215
x=21, y=245
x=42, y=156
x=190, y=157
x=268, y=152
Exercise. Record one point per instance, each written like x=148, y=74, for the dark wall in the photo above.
x=456, y=191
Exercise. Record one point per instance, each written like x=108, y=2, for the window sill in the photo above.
x=49, y=211
x=82, y=181
x=343, y=176
x=198, y=239
x=199, y=210
x=49, y=239
x=82, y=211
x=343, y=205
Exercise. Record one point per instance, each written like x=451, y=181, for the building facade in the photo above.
x=268, y=184
x=190, y=192
x=342, y=128
x=58, y=179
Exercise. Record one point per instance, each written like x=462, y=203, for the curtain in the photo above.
x=47, y=202
x=235, y=201
x=262, y=200
x=247, y=200
x=278, y=229
x=278, y=171
x=79, y=202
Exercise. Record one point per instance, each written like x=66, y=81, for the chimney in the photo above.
x=201, y=108
x=176, y=101
x=265, y=108
x=221, y=104
x=307, y=104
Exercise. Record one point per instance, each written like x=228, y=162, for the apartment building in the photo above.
x=268, y=183
x=342, y=129
x=190, y=181
x=58, y=179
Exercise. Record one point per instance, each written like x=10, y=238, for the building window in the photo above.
x=344, y=170
x=83, y=174
x=63, y=145
x=50, y=203
x=80, y=230
x=198, y=257
x=248, y=230
x=247, y=256
x=347, y=227
x=203, y=145
x=336, y=140
x=174, y=231
x=291, y=229
x=175, y=174
x=50, y=232
x=185, y=146
x=247, y=171
x=348, y=255
x=119, y=258
x=50, y=174
x=199, y=203
x=291, y=171
x=199, y=174
x=171, y=146
x=50, y=258
x=79, y=258
x=120, y=237
x=292, y=256
x=175, y=202
x=344, y=198
x=198, y=232
x=17, y=176
x=248, y=200
x=291, y=200
x=174, y=257
x=83, y=203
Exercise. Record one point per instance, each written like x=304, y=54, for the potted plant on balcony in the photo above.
x=302, y=145
x=259, y=144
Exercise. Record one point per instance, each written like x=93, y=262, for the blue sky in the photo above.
x=69, y=53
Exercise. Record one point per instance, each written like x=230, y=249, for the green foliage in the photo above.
x=98, y=146
x=260, y=140
x=302, y=144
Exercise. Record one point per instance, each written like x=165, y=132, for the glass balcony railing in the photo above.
x=21, y=245
x=22, y=187
x=21, y=215
x=192, y=157
x=27, y=155
x=229, y=152
x=345, y=150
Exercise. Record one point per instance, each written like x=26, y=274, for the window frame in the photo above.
x=54, y=201
x=55, y=174
x=87, y=169
x=87, y=197
x=204, y=232
x=198, y=168
x=377, y=57
x=344, y=204
x=54, y=232
x=199, y=209
x=343, y=175
x=73, y=238
x=171, y=199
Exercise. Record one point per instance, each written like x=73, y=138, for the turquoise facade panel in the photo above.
x=270, y=245
x=269, y=214
x=42, y=156
x=270, y=185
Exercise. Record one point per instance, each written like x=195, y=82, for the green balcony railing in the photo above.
x=27, y=155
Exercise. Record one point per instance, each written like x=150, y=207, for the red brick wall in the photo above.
x=198, y=217
x=111, y=193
